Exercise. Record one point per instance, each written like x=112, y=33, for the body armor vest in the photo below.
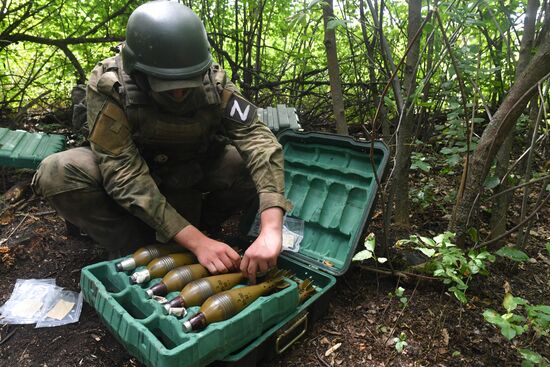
x=181, y=135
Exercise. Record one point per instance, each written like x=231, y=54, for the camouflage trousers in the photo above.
x=204, y=193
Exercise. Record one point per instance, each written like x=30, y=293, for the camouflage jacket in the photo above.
x=129, y=132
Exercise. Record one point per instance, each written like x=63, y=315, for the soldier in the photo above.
x=173, y=147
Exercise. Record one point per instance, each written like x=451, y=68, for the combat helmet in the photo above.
x=166, y=40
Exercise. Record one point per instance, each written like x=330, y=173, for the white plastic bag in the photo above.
x=293, y=232
x=65, y=310
x=29, y=301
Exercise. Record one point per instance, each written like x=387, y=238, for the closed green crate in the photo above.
x=23, y=149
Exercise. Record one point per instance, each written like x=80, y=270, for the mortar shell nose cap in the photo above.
x=187, y=326
x=141, y=276
x=126, y=264
x=177, y=311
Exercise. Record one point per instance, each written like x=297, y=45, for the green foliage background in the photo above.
x=273, y=49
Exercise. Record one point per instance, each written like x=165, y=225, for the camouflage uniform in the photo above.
x=160, y=163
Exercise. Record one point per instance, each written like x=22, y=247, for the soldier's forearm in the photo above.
x=272, y=219
x=190, y=238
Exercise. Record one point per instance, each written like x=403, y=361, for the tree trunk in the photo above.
x=493, y=136
x=387, y=57
x=423, y=127
x=405, y=137
x=259, y=37
x=334, y=71
x=386, y=134
x=500, y=205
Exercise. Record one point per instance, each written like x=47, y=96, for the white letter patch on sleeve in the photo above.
x=240, y=110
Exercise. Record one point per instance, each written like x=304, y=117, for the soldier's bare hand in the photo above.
x=217, y=256
x=263, y=253
x=214, y=255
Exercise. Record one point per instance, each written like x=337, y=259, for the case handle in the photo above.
x=302, y=321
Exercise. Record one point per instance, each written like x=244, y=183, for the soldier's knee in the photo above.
x=66, y=171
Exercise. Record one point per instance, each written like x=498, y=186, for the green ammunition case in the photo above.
x=23, y=149
x=332, y=182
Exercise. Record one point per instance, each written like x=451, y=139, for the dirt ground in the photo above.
x=363, y=318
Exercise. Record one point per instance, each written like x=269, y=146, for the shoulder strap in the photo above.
x=132, y=94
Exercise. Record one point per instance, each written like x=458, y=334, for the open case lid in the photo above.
x=331, y=182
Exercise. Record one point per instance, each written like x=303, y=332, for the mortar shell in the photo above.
x=177, y=278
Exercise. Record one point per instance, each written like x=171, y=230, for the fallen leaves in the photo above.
x=445, y=335
x=97, y=338
x=7, y=217
x=7, y=257
x=332, y=349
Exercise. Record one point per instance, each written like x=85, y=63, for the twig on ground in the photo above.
x=322, y=360
x=440, y=322
x=389, y=304
x=23, y=353
x=394, y=354
x=400, y=274
x=401, y=313
x=47, y=212
x=14, y=230
x=9, y=335
x=331, y=332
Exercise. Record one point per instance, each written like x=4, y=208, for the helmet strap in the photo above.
x=141, y=81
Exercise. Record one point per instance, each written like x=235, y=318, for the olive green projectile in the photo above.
x=196, y=292
x=144, y=255
x=159, y=267
x=224, y=305
x=178, y=278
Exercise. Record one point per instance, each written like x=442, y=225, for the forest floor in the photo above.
x=363, y=318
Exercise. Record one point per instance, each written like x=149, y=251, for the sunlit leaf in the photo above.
x=399, y=291
x=492, y=316
x=529, y=355
x=508, y=331
x=362, y=255
x=444, y=238
x=312, y=3
x=542, y=311
x=426, y=251
x=509, y=302
x=370, y=242
x=459, y=294
x=400, y=345
x=485, y=255
x=512, y=254
x=335, y=23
